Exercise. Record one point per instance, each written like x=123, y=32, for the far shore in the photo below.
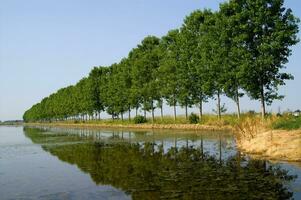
x=270, y=144
x=190, y=127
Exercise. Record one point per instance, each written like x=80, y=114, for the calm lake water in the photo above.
x=57, y=163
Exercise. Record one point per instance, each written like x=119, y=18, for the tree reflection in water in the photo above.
x=146, y=171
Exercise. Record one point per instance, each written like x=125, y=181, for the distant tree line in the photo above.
x=240, y=49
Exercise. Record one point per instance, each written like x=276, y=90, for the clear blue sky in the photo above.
x=46, y=45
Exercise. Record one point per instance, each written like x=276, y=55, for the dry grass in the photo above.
x=255, y=136
x=248, y=128
x=274, y=144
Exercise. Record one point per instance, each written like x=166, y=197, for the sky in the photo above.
x=50, y=44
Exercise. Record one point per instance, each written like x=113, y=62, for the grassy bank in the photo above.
x=248, y=125
x=276, y=138
x=208, y=122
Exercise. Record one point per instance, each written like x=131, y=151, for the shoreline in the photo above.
x=279, y=145
x=273, y=145
x=189, y=127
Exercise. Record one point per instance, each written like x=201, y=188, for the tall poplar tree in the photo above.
x=191, y=34
x=145, y=62
x=168, y=70
x=212, y=55
x=271, y=31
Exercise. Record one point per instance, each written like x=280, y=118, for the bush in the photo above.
x=278, y=115
x=251, y=113
x=193, y=118
x=139, y=119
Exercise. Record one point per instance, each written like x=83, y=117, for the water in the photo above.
x=56, y=163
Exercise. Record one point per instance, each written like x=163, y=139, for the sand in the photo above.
x=274, y=144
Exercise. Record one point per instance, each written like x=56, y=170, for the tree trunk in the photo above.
x=175, y=111
x=121, y=116
x=201, y=109
x=136, y=111
x=161, y=112
x=186, y=111
x=237, y=104
x=144, y=109
x=153, y=115
x=129, y=113
x=262, y=103
x=218, y=105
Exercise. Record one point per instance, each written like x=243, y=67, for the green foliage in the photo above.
x=287, y=123
x=223, y=109
x=270, y=31
x=241, y=48
x=139, y=119
x=193, y=118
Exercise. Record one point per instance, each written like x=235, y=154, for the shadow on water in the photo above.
x=164, y=168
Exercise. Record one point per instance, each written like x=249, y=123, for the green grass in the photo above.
x=273, y=122
x=158, y=120
x=287, y=123
x=207, y=119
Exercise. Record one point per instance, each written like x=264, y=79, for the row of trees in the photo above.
x=240, y=49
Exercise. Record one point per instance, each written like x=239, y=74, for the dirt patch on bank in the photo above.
x=273, y=144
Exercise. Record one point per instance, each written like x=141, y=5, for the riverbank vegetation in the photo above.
x=276, y=138
x=246, y=127
x=287, y=123
x=241, y=49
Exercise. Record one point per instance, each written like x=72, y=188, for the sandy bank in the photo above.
x=274, y=145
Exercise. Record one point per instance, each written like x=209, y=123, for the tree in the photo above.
x=169, y=64
x=212, y=56
x=191, y=34
x=145, y=62
x=94, y=86
x=271, y=30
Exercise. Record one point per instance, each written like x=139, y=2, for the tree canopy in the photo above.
x=240, y=49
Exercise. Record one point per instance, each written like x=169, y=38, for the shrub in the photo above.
x=139, y=119
x=193, y=118
x=278, y=115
